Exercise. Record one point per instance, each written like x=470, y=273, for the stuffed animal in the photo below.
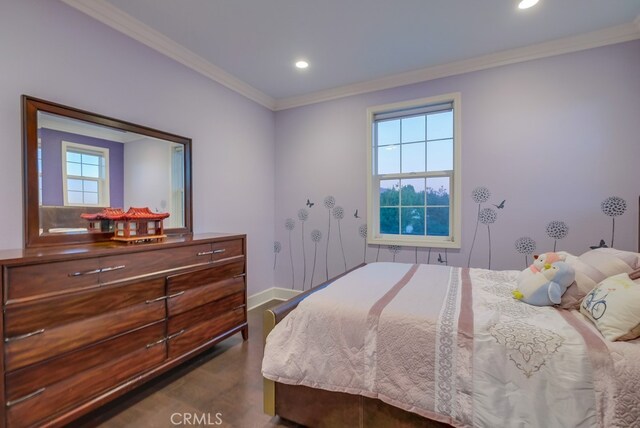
x=540, y=262
x=545, y=288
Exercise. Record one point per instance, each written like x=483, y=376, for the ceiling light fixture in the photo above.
x=526, y=4
x=302, y=64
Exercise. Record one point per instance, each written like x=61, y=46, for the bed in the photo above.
x=392, y=344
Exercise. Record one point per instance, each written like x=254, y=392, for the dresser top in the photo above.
x=107, y=248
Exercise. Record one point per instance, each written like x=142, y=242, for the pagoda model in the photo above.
x=137, y=224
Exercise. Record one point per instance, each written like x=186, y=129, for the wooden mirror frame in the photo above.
x=30, y=108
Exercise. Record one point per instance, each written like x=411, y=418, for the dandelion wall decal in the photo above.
x=277, y=246
x=362, y=231
x=525, y=245
x=394, y=249
x=303, y=215
x=557, y=230
x=488, y=216
x=479, y=195
x=338, y=214
x=290, y=224
x=613, y=206
x=316, y=236
x=329, y=203
x=429, y=257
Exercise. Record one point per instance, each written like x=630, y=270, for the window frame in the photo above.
x=373, y=181
x=104, y=197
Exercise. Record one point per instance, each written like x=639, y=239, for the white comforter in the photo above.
x=452, y=345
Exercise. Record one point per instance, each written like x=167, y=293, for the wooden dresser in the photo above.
x=83, y=325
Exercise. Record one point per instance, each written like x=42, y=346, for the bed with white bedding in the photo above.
x=452, y=345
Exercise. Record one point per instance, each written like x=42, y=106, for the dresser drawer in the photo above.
x=227, y=249
x=194, y=289
x=51, y=278
x=48, y=313
x=192, y=336
x=47, y=343
x=182, y=282
x=44, y=403
x=116, y=268
x=205, y=313
x=22, y=382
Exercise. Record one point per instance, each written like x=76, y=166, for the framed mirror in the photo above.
x=77, y=162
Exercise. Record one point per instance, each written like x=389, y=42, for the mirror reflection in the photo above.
x=84, y=167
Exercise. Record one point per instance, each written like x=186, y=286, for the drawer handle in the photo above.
x=25, y=398
x=107, y=269
x=151, y=345
x=205, y=253
x=220, y=251
x=240, y=275
x=171, y=296
x=24, y=336
x=88, y=272
x=156, y=299
x=174, y=335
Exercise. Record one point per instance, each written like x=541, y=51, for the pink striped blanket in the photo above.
x=452, y=345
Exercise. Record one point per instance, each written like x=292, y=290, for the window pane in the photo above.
x=413, y=191
x=90, y=159
x=90, y=186
x=74, y=169
x=73, y=157
x=413, y=221
x=75, y=185
x=438, y=191
x=389, y=196
x=74, y=197
x=91, y=171
x=413, y=129
x=440, y=125
x=413, y=157
x=388, y=132
x=389, y=160
x=389, y=220
x=440, y=155
x=91, y=198
x=438, y=221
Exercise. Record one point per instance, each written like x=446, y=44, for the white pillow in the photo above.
x=593, y=267
x=614, y=307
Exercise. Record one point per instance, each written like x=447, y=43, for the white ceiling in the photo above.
x=349, y=42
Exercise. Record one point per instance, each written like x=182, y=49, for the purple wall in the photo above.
x=553, y=137
x=51, y=141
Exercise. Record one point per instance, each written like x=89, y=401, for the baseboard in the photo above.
x=273, y=293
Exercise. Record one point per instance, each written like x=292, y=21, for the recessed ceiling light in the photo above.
x=526, y=4
x=302, y=64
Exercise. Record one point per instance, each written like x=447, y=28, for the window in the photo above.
x=413, y=184
x=85, y=173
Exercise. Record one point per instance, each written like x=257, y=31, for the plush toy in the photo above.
x=545, y=288
x=541, y=262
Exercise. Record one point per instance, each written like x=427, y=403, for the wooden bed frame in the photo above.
x=319, y=408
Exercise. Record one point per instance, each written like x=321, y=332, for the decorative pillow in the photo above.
x=614, y=307
x=593, y=267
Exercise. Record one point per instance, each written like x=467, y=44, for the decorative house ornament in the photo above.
x=137, y=224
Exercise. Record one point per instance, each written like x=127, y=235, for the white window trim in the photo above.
x=373, y=210
x=104, y=197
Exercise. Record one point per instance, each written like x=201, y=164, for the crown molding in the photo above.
x=608, y=36
x=128, y=25
x=108, y=14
